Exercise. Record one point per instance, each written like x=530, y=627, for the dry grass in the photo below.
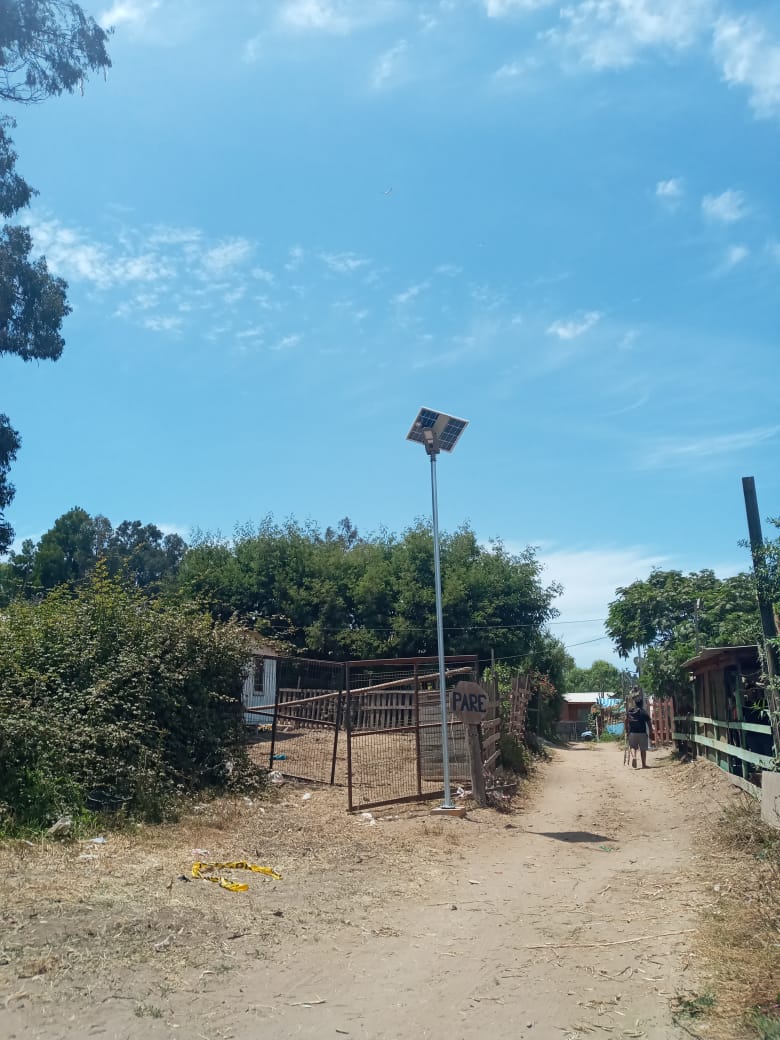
x=124, y=918
x=739, y=942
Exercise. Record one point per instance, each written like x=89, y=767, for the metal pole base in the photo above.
x=449, y=810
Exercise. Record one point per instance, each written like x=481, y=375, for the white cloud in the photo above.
x=287, y=342
x=262, y=275
x=411, y=293
x=226, y=255
x=389, y=65
x=749, y=59
x=234, y=295
x=295, y=258
x=671, y=191
x=253, y=332
x=590, y=578
x=164, y=234
x=182, y=532
x=613, y=33
x=504, y=8
x=450, y=270
x=351, y=309
x=133, y=13
x=726, y=208
x=69, y=252
x=253, y=48
x=701, y=449
x=512, y=71
x=337, y=17
x=574, y=327
x=320, y=15
x=163, y=323
x=342, y=263
x=735, y=255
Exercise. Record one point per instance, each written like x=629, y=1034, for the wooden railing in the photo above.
x=707, y=734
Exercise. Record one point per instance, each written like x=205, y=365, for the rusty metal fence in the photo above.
x=393, y=723
x=373, y=726
x=307, y=717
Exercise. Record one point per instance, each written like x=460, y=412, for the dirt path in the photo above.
x=522, y=930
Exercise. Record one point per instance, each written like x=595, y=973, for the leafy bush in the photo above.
x=514, y=756
x=102, y=688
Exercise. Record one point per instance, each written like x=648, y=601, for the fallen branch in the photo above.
x=613, y=942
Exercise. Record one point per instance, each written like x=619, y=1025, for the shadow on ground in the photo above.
x=572, y=836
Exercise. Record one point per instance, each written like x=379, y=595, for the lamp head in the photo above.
x=436, y=431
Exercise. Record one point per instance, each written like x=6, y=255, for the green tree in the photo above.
x=143, y=553
x=343, y=595
x=9, y=445
x=671, y=612
x=601, y=677
x=69, y=550
x=47, y=47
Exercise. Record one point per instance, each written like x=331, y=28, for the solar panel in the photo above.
x=446, y=427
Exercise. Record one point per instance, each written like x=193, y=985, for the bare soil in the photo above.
x=576, y=915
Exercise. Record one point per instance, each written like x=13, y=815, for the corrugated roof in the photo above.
x=588, y=698
x=712, y=651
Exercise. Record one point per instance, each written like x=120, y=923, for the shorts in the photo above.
x=638, y=740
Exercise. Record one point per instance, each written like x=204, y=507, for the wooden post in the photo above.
x=475, y=762
x=764, y=606
x=740, y=712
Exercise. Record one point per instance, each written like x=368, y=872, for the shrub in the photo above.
x=102, y=688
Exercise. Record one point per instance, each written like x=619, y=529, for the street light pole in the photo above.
x=432, y=447
x=439, y=432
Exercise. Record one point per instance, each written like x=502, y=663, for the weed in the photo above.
x=148, y=1011
x=694, y=1006
x=767, y=1027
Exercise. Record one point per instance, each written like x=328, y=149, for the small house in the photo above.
x=259, y=689
x=722, y=715
x=577, y=710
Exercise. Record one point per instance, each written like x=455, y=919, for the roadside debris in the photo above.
x=61, y=827
x=199, y=869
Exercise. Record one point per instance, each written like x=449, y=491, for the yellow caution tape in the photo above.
x=198, y=871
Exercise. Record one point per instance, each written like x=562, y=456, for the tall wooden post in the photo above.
x=478, y=792
x=764, y=606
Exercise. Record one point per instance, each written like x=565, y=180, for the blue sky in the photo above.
x=288, y=224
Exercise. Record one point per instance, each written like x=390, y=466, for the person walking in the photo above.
x=639, y=730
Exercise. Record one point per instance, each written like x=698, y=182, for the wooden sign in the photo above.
x=469, y=702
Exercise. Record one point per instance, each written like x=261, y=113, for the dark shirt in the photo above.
x=638, y=720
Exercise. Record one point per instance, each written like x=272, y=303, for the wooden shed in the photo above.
x=723, y=715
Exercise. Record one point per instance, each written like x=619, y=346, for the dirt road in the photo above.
x=572, y=918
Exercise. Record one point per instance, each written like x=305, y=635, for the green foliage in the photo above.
x=32, y=301
x=340, y=595
x=546, y=700
x=105, y=689
x=766, y=1025
x=47, y=47
x=601, y=677
x=694, y=1006
x=71, y=549
x=514, y=755
x=9, y=445
x=662, y=613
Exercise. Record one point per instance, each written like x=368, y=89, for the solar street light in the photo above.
x=438, y=432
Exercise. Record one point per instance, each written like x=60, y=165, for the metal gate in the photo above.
x=393, y=723
x=307, y=717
